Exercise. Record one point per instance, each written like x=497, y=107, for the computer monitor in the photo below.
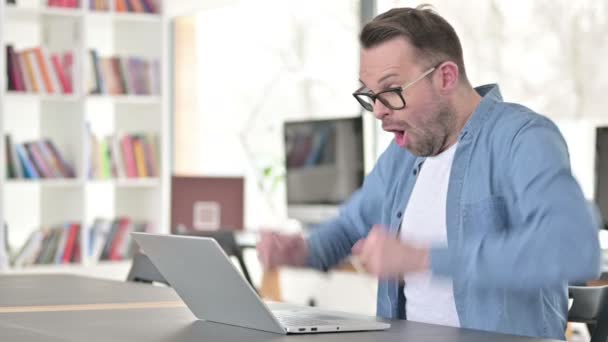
x=324, y=162
x=601, y=172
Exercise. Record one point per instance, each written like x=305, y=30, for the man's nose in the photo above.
x=380, y=110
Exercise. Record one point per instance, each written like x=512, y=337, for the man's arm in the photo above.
x=558, y=242
x=330, y=242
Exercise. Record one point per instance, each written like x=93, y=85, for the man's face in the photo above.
x=423, y=125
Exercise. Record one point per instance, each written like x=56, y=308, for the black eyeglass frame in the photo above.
x=396, y=90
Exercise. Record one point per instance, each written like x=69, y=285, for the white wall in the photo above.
x=184, y=7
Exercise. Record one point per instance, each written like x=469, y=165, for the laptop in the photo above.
x=214, y=290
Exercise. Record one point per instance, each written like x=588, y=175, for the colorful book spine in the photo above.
x=129, y=157
x=140, y=159
x=45, y=71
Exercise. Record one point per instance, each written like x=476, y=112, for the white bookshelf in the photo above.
x=27, y=205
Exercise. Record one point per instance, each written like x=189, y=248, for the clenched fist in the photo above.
x=387, y=257
x=275, y=249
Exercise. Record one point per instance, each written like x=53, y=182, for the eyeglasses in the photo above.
x=392, y=97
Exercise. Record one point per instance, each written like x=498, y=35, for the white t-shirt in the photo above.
x=429, y=298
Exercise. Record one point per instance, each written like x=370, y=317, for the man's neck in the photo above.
x=464, y=103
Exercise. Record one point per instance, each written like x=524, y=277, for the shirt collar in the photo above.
x=490, y=94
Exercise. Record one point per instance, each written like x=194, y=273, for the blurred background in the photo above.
x=185, y=116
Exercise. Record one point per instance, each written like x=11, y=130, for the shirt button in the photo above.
x=415, y=172
x=399, y=214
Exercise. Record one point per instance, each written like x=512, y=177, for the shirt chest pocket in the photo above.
x=485, y=216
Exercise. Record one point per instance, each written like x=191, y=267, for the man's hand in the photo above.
x=275, y=249
x=384, y=256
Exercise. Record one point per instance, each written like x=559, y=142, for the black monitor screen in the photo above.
x=324, y=160
x=601, y=172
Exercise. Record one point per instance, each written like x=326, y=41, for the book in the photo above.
x=70, y=243
x=9, y=72
x=29, y=250
x=105, y=254
x=129, y=157
x=150, y=155
x=96, y=71
x=53, y=76
x=136, y=5
x=38, y=161
x=29, y=71
x=17, y=165
x=15, y=72
x=66, y=169
x=36, y=71
x=117, y=249
x=140, y=159
x=100, y=233
x=65, y=231
x=67, y=62
x=117, y=158
x=49, y=159
x=45, y=72
x=120, y=6
x=20, y=57
x=29, y=171
x=61, y=76
x=149, y=6
x=10, y=166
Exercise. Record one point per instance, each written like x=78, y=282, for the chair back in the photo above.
x=590, y=305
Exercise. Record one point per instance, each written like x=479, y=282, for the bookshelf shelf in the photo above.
x=34, y=13
x=24, y=96
x=127, y=183
x=137, y=183
x=57, y=183
x=127, y=99
x=65, y=38
x=134, y=17
x=127, y=17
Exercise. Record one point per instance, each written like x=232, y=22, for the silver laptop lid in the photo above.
x=207, y=281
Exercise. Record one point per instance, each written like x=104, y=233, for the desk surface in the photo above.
x=162, y=323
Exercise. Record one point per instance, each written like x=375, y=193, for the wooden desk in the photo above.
x=170, y=323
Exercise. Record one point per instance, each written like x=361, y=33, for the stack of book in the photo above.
x=137, y=6
x=123, y=156
x=38, y=71
x=123, y=75
x=54, y=245
x=99, y=5
x=35, y=159
x=105, y=240
x=111, y=239
x=63, y=3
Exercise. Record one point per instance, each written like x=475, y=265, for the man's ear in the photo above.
x=447, y=76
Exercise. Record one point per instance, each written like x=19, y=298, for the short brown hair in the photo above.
x=433, y=37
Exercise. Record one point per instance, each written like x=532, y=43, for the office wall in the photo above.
x=260, y=63
x=185, y=7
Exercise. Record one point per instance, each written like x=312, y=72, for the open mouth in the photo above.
x=401, y=137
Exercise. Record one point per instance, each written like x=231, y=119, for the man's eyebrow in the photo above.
x=384, y=78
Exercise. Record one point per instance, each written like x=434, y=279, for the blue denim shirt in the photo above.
x=518, y=226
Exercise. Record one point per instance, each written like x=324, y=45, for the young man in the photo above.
x=473, y=205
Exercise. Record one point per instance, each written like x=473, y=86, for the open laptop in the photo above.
x=214, y=290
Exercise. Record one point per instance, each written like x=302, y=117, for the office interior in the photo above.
x=187, y=117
